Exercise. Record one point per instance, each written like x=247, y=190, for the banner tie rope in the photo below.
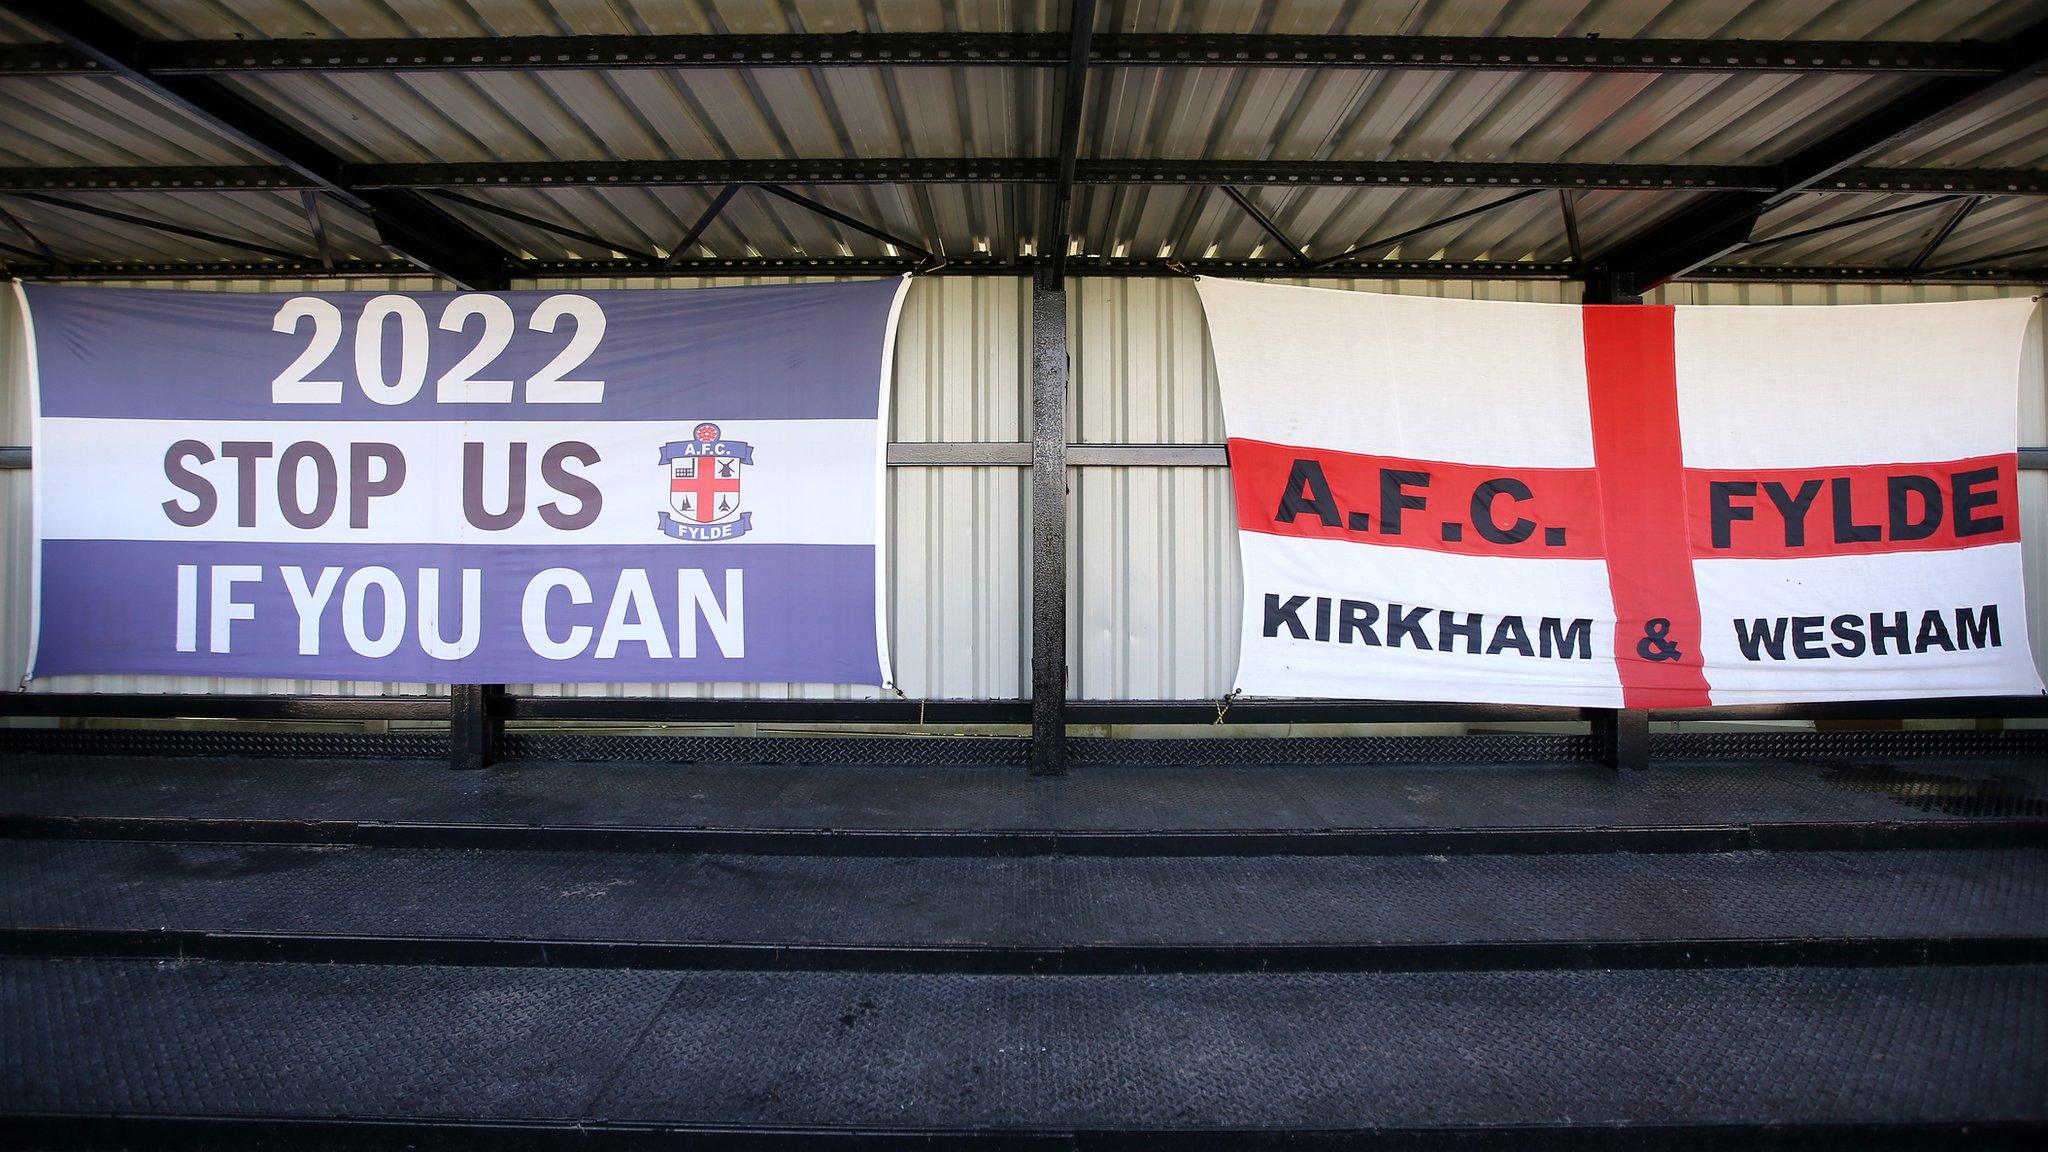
x=1223, y=705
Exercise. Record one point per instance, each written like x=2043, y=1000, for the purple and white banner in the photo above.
x=459, y=487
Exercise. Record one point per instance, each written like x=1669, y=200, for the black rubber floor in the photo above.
x=1039, y=902
x=934, y=1052
x=1002, y=799
x=795, y=952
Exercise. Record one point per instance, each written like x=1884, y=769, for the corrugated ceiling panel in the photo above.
x=1151, y=112
x=698, y=113
x=273, y=219
x=2005, y=226
x=2007, y=133
x=84, y=120
x=1306, y=114
x=1186, y=222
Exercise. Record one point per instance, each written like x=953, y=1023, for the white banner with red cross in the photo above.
x=1623, y=505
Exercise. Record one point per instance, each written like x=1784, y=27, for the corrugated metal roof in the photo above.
x=1231, y=113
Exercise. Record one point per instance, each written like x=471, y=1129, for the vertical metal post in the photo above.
x=1049, y=368
x=472, y=730
x=1624, y=738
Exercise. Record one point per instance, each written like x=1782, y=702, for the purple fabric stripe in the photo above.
x=779, y=352
x=111, y=606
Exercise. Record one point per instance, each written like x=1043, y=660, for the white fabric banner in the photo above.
x=1623, y=506
x=464, y=487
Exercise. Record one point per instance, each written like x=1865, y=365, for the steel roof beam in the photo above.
x=532, y=221
x=1965, y=265
x=309, y=201
x=702, y=223
x=1969, y=272
x=1418, y=174
x=1028, y=49
x=1055, y=234
x=1568, y=209
x=41, y=249
x=1852, y=221
x=1361, y=249
x=1266, y=223
x=164, y=226
x=841, y=218
x=406, y=222
x=1941, y=235
x=1721, y=224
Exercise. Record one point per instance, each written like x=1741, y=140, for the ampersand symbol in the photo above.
x=1653, y=646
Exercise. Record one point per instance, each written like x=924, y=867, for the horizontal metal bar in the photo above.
x=1031, y=49
x=801, y=266
x=1800, y=836
x=900, y=454
x=908, y=711
x=167, y=178
x=1533, y=53
x=724, y=710
x=1077, y=266
x=535, y=53
x=1086, y=959
x=1017, y=454
x=324, y=1134
x=172, y=706
x=1146, y=455
x=1101, y=172
x=1141, y=712
x=222, y=270
x=1955, y=708
x=1014, y=453
x=687, y=173
x=1824, y=274
x=1028, y=170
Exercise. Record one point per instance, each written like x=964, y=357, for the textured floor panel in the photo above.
x=999, y=798
x=864, y=1050
x=1026, y=901
x=315, y=1039
x=1344, y=1051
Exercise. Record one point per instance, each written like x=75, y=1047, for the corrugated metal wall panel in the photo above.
x=958, y=540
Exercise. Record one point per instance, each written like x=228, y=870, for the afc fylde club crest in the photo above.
x=704, y=486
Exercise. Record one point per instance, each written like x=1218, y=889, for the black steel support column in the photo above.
x=1624, y=738
x=473, y=730
x=1049, y=368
